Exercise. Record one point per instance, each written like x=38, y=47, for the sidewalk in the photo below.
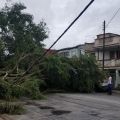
x=116, y=91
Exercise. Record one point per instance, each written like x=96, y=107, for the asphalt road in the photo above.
x=73, y=107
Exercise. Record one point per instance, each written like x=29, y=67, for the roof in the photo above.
x=51, y=51
x=68, y=48
x=109, y=35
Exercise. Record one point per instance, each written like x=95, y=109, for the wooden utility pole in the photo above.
x=103, y=44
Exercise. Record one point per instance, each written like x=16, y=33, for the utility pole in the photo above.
x=103, y=44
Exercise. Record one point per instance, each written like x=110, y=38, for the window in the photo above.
x=112, y=54
x=80, y=52
x=93, y=54
x=66, y=54
x=73, y=53
x=118, y=54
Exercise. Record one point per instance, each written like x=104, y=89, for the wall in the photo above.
x=108, y=41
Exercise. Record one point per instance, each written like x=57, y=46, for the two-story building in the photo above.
x=111, y=54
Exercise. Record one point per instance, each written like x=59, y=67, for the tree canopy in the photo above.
x=20, y=37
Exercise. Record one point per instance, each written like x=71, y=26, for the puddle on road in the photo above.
x=52, y=109
x=46, y=107
x=60, y=112
x=94, y=114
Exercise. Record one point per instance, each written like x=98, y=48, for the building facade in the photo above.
x=89, y=49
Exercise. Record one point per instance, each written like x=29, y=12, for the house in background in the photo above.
x=89, y=48
x=70, y=52
x=112, y=54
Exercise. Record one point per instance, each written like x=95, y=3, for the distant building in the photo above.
x=89, y=48
x=70, y=52
x=112, y=54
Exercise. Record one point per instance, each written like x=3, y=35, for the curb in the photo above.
x=116, y=91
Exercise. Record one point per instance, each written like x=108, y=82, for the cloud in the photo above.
x=58, y=14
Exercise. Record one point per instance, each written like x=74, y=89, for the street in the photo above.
x=73, y=107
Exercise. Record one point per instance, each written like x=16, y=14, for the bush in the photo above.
x=31, y=88
x=17, y=91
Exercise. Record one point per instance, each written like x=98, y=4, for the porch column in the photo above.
x=117, y=82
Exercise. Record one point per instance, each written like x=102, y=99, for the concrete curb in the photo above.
x=116, y=91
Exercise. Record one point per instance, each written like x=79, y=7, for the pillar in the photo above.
x=117, y=82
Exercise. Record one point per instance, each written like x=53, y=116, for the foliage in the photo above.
x=20, y=45
x=5, y=90
x=31, y=88
x=76, y=74
x=56, y=72
x=88, y=74
x=20, y=37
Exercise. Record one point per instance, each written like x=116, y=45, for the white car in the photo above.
x=104, y=85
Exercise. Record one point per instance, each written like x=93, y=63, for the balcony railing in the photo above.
x=110, y=63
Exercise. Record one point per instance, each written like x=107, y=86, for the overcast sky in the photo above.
x=58, y=14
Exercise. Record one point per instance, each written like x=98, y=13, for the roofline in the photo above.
x=68, y=48
x=109, y=33
x=90, y=43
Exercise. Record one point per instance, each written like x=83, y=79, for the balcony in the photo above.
x=110, y=63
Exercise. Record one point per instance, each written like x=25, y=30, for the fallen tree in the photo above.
x=20, y=45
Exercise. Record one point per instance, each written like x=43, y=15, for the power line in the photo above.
x=114, y=15
x=68, y=27
x=87, y=6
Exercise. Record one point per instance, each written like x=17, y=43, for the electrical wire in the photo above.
x=114, y=15
x=42, y=56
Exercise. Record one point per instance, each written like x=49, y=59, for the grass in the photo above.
x=11, y=107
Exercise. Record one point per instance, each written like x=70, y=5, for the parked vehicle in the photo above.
x=104, y=86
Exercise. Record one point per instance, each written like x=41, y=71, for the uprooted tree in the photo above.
x=76, y=74
x=20, y=44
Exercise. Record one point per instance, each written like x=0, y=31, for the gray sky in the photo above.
x=58, y=14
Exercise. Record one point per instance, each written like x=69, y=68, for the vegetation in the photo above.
x=20, y=47
x=11, y=108
x=76, y=74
